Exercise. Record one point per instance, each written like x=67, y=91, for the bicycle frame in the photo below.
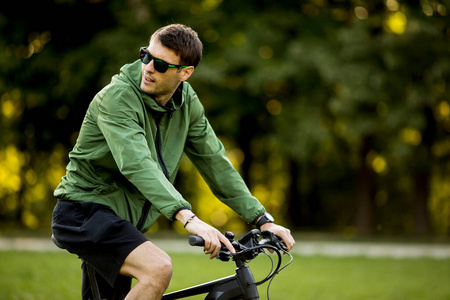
x=242, y=285
x=239, y=286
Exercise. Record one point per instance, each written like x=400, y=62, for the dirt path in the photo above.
x=327, y=248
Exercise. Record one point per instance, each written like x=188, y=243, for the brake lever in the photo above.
x=272, y=239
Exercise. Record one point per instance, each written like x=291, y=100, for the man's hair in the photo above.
x=183, y=40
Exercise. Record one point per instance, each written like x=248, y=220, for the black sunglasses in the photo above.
x=160, y=65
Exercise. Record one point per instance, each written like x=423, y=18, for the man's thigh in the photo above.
x=96, y=234
x=151, y=267
x=146, y=259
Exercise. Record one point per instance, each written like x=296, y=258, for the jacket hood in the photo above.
x=131, y=74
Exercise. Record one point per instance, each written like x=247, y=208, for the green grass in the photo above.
x=56, y=275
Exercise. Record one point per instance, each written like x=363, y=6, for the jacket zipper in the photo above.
x=144, y=215
x=158, y=146
x=148, y=204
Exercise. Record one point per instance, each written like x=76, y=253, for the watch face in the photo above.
x=269, y=217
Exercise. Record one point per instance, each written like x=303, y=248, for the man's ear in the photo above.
x=186, y=73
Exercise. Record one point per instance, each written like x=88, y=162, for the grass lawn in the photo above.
x=56, y=275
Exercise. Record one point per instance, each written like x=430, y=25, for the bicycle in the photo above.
x=242, y=285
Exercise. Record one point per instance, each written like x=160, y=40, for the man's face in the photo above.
x=160, y=86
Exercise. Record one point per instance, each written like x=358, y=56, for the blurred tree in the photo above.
x=373, y=105
x=336, y=112
x=48, y=76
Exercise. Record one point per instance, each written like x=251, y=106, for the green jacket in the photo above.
x=115, y=160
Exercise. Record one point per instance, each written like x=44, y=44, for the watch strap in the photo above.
x=263, y=220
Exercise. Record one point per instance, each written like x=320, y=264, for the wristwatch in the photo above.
x=265, y=218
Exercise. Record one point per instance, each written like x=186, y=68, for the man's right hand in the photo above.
x=210, y=235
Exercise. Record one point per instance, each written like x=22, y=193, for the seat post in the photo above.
x=93, y=281
x=91, y=273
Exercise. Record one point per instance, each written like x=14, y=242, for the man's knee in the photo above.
x=149, y=265
x=163, y=269
x=156, y=276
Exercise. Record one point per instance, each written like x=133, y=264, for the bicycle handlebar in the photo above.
x=196, y=241
x=249, y=246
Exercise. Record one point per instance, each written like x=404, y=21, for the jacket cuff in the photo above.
x=178, y=210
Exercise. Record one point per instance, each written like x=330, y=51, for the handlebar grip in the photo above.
x=196, y=241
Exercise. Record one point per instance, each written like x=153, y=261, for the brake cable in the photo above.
x=278, y=271
x=278, y=264
x=278, y=268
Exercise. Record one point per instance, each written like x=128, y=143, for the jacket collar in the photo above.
x=173, y=104
x=132, y=74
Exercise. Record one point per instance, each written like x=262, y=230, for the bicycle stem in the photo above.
x=247, y=282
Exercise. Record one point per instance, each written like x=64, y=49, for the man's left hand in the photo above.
x=280, y=231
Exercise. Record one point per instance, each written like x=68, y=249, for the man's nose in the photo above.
x=150, y=67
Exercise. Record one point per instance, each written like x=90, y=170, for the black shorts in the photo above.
x=96, y=234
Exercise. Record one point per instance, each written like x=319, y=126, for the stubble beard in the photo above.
x=159, y=88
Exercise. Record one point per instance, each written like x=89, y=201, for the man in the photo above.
x=120, y=174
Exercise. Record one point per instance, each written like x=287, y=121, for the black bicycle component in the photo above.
x=242, y=285
x=224, y=254
x=250, y=239
x=271, y=239
x=196, y=241
x=230, y=236
x=90, y=270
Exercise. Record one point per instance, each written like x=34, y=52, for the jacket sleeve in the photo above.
x=119, y=120
x=208, y=155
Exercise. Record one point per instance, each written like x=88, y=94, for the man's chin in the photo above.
x=146, y=89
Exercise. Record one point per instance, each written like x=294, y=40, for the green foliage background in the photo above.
x=337, y=113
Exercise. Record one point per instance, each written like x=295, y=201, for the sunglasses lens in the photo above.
x=160, y=65
x=145, y=56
